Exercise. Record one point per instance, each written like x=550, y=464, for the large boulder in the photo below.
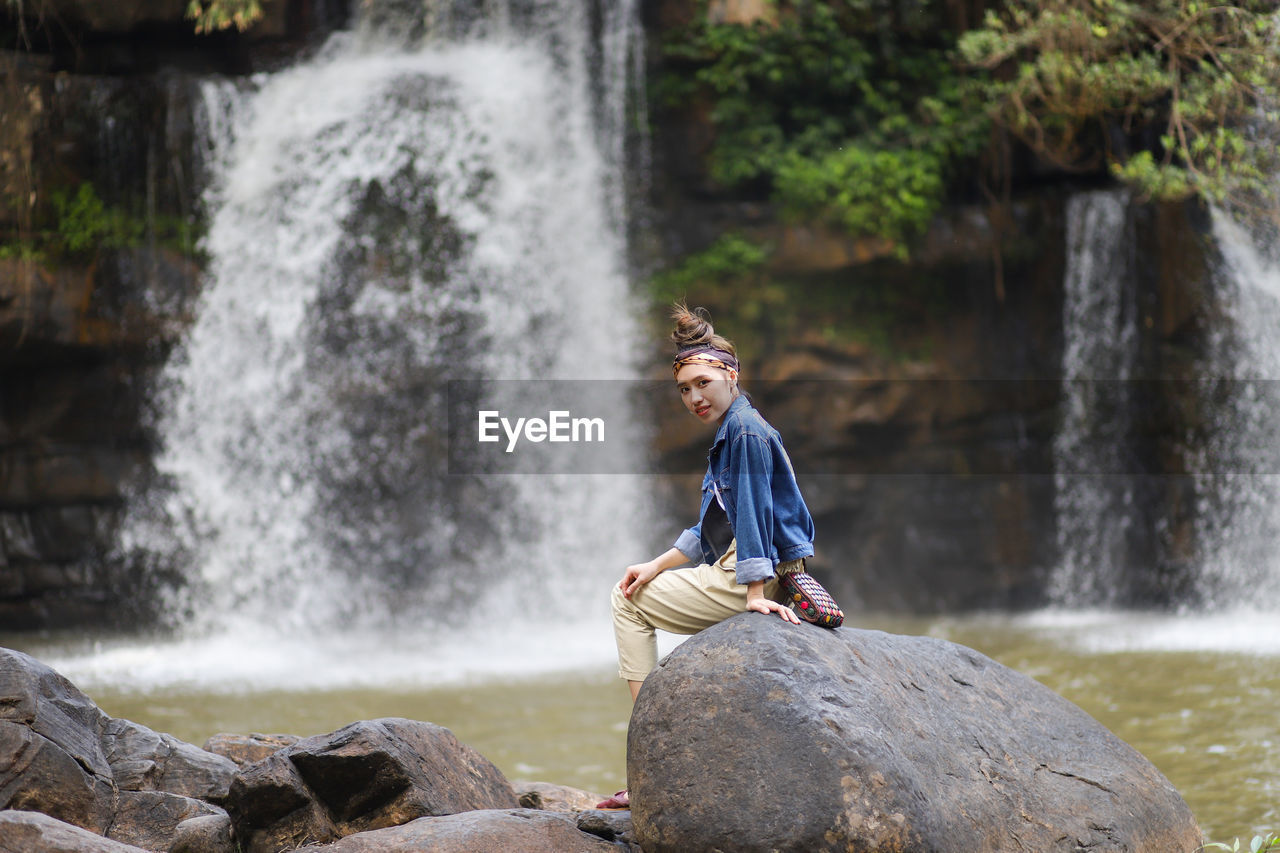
x=33, y=832
x=367, y=775
x=523, y=830
x=758, y=735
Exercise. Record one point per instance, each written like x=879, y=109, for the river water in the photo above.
x=1197, y=695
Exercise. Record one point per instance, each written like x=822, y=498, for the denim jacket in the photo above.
x=749, y=472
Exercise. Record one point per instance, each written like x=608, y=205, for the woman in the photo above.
x=753, y=524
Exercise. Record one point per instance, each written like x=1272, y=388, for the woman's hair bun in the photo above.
x=693, y=328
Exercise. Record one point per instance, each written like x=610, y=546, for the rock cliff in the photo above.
x=916, y=397
x=101, y=172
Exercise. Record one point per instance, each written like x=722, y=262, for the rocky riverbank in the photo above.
x=74, y=779
x=755, y=734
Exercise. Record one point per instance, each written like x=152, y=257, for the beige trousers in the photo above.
x=681, y=601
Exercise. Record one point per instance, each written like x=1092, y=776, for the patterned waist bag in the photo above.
x=811, y=601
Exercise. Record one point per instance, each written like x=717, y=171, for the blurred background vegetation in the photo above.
x=870, y=115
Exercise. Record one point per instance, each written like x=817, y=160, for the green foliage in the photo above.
x=1175, y=97
x=213, y=15
x=22, y=250
x=82, y=224
x=1269, y=843
x=86, y=224
x=885, y=306
x=841, y=112
x=890, y=193
x=731, y=258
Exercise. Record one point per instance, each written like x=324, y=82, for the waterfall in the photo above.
x=1110, y=515
x=1094, y=496
x=1239, y=484
x=436, y=195
x=1105, y=532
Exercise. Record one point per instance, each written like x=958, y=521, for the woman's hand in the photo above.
x=638, y=575
x=757, y=602
x=641, y=573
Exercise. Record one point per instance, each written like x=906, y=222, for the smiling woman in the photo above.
x=753, y=525
x=705, y=391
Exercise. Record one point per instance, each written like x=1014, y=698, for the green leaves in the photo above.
x=85, y=224
x=730, y=258
x=1175, y=97
x=1268, y=843
x=838, y=111
x=79, y=224
x=213, y=15
x=891, y=193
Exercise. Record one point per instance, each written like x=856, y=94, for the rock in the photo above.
x=487, y=831
x=50, y=758
x=113, y=17
x=742, y=12
x=33, y=832
x=615, y=826
x=271, y=808
x=62, y=756
x=247, y=749
x=83, y=334
x=150, y=819
x=34, y=695
x=37, y=774
x=367, y=775
x=207, y=834
x=555, y=798
x=759, y=735
x=143, y=760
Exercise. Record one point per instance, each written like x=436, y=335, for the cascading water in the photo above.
x=1103, y=533
x=387, y=217
x=1094, y=499
x=1239, y=506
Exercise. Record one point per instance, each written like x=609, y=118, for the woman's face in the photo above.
x=706, y=391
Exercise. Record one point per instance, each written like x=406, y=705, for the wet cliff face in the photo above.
x=100, y=180
x=918, y=399
x=921, y=407
x=82, y=328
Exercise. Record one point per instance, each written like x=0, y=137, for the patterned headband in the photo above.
x=708, y=355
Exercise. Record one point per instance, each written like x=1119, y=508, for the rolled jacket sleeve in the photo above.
x=750, y=473
x=689, y=543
